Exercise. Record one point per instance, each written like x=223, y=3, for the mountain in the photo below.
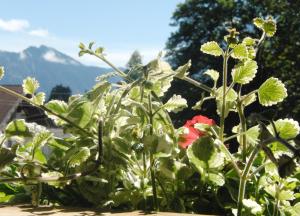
x=50, y=67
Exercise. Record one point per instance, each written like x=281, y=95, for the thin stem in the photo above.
x=152, y=171
x=101, y=57
x=276, y=206
x=228, y=154
x=234, y=136
x=197, y=84
x=15, y=94
x=243, y=130
x=224, y=86
x=243, y=179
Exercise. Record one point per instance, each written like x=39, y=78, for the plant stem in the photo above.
x=243, y=129
x=101, y=57
x=152, y=171
x=224, y=86
x=243, y=179
x=197, y=84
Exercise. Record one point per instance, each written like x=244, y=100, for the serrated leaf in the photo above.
x=251, y=52
x=1, y=72
x=286, y=128
x=258, y=22
x=214, y=75
x=244, y=72
x=79, y=157
x=57, y=106
x=248, y=41
x=41, y=138
x=39, y=98
x=182, y=71
x=203, y=154
x=212, y=48
x=240, y=51
x=271, y=92
x=269, y=27
x=175, y=104
x=17, y=128
x=30, y=85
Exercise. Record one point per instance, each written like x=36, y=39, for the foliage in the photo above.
x=197, y=21
x=121, y=150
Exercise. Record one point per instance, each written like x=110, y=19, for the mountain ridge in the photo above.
x=50, y=67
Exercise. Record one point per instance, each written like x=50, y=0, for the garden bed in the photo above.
x=26, y=210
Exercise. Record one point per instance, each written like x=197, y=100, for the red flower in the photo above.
x=194, y=134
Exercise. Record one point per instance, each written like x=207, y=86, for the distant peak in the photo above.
x=49, y=54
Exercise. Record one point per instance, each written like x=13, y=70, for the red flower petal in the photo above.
x=194, y=134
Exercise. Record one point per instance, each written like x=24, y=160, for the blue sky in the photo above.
x=121, y=26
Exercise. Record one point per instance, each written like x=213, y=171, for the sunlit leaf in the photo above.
x=271, y=92
x=212, y=48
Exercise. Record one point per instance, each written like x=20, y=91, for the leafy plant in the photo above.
x=121, y=150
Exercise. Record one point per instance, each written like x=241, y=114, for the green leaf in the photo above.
x=39, y=156
x=81, y=46
x=17, y=128
x=252, y=134
x=53, y=174
x=244, y=72
x=216, y=178
x=271, y=92
x=41, y=138
x=252, y=206
x=258, y=22
x=203, y=154
x=39, y=98
x=182, y=71
x=6, y=157
x=57, y=106
x=230, y=100
x=99, y=50
x=80, y=112
x=79, y=157
x=240, y=51
x=213, y=74
x=175, y=104
x=212, y=48
x=30, y=85
x=269, y=27
x=1, y=72
x=91, y=44
x=286, y=128
x=248, y=41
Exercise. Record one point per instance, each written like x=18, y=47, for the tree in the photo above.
x=60, y=92
x=199, y=21
x=133, y=65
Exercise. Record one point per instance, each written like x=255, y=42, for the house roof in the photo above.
x=8, y=103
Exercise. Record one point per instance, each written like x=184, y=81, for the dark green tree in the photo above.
x=133, y=66
x=60, y=92
x=199, y=21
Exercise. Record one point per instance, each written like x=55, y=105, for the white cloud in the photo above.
x=14, y=25
x=52, y=57
x=39, y=32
